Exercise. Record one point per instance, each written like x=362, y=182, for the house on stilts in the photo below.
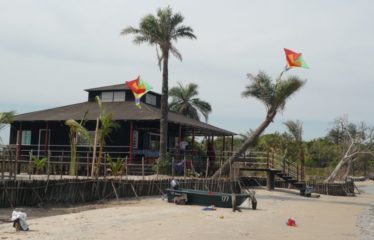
x=44, y=132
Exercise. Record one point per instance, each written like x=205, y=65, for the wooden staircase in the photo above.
x=273, y=165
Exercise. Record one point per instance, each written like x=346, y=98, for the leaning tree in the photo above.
x=355, y=141
x=274, y=96
x=162, y=31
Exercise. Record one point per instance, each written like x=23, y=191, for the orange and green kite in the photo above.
x=138, y=88
x=294, y=59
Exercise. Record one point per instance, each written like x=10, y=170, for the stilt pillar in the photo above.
x=131, y=140
x=270, y=180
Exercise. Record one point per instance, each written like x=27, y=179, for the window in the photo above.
x=154, y=140
x=26, y=138
x=107, y=96
x=119, y=96
x=150, y=99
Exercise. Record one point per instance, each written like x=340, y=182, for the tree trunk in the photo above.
x=73, y=154
x=94, y=149
x=347, y=170
x=224, y=169
x=164, y=106
x=334, y=173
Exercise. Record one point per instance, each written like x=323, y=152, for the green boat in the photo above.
x=207, y=198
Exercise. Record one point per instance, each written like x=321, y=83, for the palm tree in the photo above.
x=161, y=31
x=5, y=118
x=76, y=129
x=295, y=128
x=184, y=100
x=107, y=125
x=273, y=96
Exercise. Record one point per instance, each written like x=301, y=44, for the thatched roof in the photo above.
x=120, y=111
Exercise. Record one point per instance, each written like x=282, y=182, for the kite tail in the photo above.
x=286, y=68
x=137, y=103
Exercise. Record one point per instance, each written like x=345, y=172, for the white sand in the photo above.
x=327, y=217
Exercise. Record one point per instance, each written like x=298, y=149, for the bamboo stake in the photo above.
x=133, y=189
x=115, y=191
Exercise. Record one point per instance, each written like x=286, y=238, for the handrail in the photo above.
x=270, y=160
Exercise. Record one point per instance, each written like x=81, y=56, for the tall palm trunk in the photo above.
x=164, y=106
x=224, y=169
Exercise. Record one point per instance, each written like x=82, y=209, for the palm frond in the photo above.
x=285, y=88
x=160, y=30
x=175, y=52
x=184, y=101
x=261, y=87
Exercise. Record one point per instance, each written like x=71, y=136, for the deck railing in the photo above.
x=15, y=161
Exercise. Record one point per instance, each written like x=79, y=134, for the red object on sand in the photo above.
x=291, y=222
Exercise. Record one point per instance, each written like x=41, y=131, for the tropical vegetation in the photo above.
x=77, y=130
x=184, y=100
x=162, y=31
x=5, y=119
x=106, y=125
x=274, y=95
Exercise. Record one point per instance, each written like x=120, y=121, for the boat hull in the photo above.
x=205, y=198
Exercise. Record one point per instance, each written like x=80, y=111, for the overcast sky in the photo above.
x=51, y=50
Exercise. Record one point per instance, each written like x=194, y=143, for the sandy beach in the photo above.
x=327, y=217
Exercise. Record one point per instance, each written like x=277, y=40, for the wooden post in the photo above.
x=46, y=140
x=173, y=167
x=143, y=168
x=48, y=164
x=105, y=170
x=233, y=201
x=62, y=164
x=19, y=142
x=126, y=167
x=270, y=180
x=131, y=140
x=88, y=164
x=30, y=164
x=18, y=154
x=184, y=168
x=207, y=167
x=179, y=142
x=192, y=143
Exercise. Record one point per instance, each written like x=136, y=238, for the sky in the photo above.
x=51, y=50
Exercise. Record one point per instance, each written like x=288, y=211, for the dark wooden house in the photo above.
x=138, y=135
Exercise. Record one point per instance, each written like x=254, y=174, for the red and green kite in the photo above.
x=138, y=88
x=294, y=59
